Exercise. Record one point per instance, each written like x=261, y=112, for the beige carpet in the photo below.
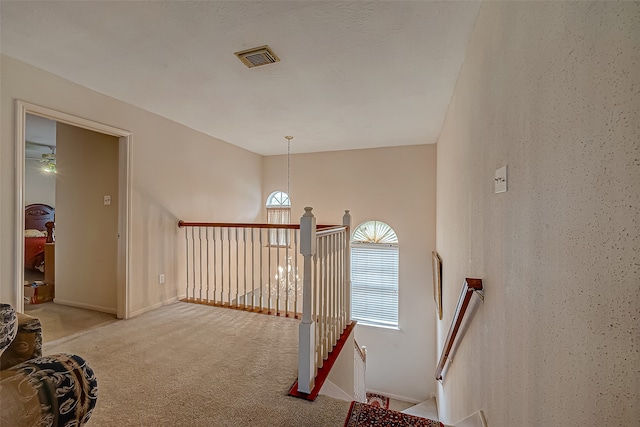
x=192, y=365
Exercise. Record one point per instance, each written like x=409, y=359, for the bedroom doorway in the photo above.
x=119, y=204
x=39, y=200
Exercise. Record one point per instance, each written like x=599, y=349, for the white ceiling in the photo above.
x=40, y=137
x=352, y=74
x=39, y=130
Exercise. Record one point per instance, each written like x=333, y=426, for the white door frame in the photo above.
x=124, y=197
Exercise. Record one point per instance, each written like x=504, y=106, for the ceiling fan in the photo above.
x=47, y=159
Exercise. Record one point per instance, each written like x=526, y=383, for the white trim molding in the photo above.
x=124, y=197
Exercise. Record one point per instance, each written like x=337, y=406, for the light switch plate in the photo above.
x=107, y=200
x=501, y=180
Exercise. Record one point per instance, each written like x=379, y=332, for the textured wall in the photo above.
x=553, y=91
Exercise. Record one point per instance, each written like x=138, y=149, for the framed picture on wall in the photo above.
x=436, y=265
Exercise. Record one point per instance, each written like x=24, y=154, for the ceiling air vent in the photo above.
x=257, y=56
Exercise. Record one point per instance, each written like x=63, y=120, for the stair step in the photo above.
x=427, y=409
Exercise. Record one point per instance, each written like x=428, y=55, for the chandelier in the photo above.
x=287, y=278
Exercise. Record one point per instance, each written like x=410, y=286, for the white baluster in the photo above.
x=253, y=271
x=296, y=278
x=206, y=230
x=186, y=238
x=346, y=220
x=222, y=265
x=286, y=272
x=277, y=277
x=200, y=257
x=193, y=263
x=215, y=268
x=244, y=265
x=306, y=353
x=261, y=269
x=269, y=238
x=229, y=260
x=237, y=267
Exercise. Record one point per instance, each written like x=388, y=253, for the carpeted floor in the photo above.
x=192, y=365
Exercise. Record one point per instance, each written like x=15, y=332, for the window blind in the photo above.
x=278, y=216
x=374, y=284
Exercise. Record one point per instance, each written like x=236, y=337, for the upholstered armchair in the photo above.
x=35, y=390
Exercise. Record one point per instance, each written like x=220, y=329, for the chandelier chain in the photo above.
x=289, y=138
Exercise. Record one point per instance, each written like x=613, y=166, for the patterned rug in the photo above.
x=361, y=414
x=378, y=400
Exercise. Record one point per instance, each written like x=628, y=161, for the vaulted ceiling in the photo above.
x=352, y=74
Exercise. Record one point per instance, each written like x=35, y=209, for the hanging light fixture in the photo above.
x=287, y=277
x=289, y=138
x=49, y=167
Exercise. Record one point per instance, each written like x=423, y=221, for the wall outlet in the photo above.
x=161, y=279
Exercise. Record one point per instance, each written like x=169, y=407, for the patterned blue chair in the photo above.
x=35, y=390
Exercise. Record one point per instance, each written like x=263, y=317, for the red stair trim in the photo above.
x=323, y=372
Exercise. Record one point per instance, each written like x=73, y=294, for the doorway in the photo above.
x=122, y=201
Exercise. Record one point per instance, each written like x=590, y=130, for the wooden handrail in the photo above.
x=182, y=223
x=362, y=351
x=236, y=225
x=328, y=230
x=468, y=288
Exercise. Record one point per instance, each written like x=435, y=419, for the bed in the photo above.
x=38, y=218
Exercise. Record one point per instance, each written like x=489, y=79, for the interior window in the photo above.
x=374, y=275
x=278, y=212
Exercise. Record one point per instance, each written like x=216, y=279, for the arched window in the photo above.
x=374, y=275
x=278, y=212
x=278, y=199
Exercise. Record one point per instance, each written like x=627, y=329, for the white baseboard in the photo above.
x=86, y=306
x=153, y=307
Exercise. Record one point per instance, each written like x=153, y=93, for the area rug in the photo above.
x=361, y=414
x=378, y=400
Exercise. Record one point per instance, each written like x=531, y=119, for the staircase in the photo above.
x=304, y=273
x=427, y=409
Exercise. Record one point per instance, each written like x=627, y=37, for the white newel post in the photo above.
x=346, y=220
x=306, y=351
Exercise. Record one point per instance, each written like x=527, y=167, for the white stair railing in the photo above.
x=255, y=267
x=246, y=266
x=326, y=306
x=359, y=373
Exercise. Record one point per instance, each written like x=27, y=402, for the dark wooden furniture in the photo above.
x=39, y=216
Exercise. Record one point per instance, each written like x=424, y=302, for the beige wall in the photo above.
x=397, y=186
x=177, y=173
x=86, y=229
x=551, y=90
